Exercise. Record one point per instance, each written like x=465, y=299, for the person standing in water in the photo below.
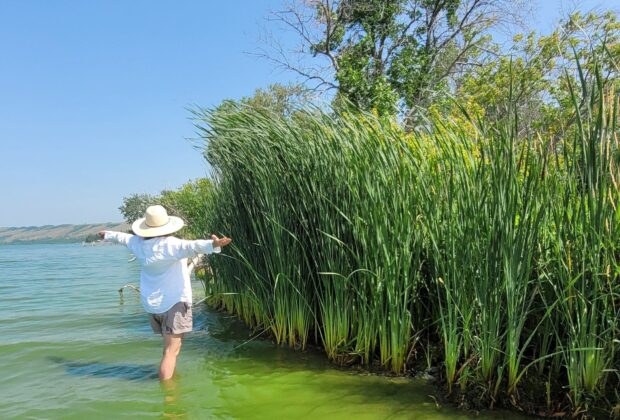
x=165, y=287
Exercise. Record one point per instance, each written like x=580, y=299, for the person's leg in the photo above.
x=172, y=347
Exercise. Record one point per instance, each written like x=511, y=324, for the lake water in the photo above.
x=70, y=349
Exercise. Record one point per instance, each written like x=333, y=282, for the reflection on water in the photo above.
x=103, y=363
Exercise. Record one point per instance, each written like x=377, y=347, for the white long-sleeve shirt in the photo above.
x=164, y=275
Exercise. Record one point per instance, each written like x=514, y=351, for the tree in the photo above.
x=532, y=77
x=278, y=98
x=193, y=202
x=282, y=99
x=135, y=205
x=391, y=56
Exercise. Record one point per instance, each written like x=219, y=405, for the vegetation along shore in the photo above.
x=480, y=236
x=494, y=258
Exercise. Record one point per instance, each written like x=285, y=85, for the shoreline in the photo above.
x=469, y=403
x=51, y=234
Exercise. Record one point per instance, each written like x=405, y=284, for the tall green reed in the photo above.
x=341, y=223
x=583, y=271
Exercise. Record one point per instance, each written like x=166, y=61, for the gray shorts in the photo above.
x=176, y=320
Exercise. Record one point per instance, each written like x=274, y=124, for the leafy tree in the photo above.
x=278, y=98
x=391, y=55
x=192, y=202
x=532, y=78
x=282, y=99
x=135, y=205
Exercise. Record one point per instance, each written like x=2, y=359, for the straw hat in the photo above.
x=156, y=222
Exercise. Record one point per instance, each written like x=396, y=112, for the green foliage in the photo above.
x=193, y=203
x=135, y=205
x=415, y=58
x=281, y=99
x=489, y=233
x=397, y=56
x=533, y=76
x=382, y=245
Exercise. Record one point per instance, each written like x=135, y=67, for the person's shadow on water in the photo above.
x=131, y=372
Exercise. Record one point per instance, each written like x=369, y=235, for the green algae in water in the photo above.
x=70, y=350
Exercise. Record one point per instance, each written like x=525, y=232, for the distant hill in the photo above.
x=55, y=234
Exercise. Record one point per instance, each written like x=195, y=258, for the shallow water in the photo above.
x=70, y=349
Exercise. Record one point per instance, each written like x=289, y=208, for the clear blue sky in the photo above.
x=93, y=96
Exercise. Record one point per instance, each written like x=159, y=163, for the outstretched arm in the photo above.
x=188, y=249
x=118, y=237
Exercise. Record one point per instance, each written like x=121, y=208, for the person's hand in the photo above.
x=220, y=242
x=101, y=234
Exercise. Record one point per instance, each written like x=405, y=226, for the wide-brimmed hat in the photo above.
x=156, y=222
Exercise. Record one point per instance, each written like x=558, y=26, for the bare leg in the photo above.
x=172, y=347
